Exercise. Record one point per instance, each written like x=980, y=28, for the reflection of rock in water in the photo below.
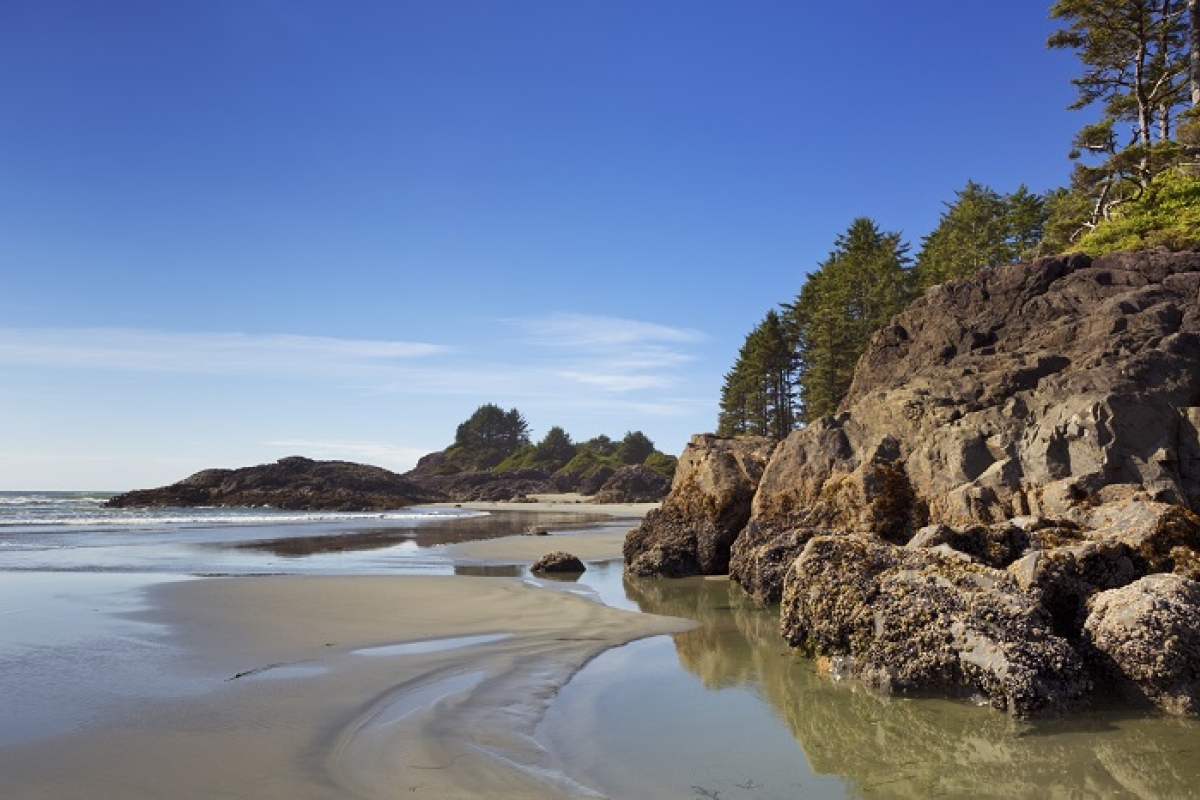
x=905, y=747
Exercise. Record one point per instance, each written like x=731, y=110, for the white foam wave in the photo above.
x=139, y=518
x=52, y=500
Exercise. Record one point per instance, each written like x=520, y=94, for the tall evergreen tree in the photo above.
x=981, y=229
x=1135, y=55
x=554, y=450
x=853, y=293
x=490, y=435
x=1194, y=51
x=757, y=396
x=634, y=448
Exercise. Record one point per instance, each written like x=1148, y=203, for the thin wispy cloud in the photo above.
x=611, y=354
x=600, y=332
x=201, y=352
x=567, y=359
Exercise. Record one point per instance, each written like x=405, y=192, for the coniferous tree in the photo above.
x=490, y=435
x=554, y=450
x=634, y=448
x=853, y=293
x=1025, y=223
x=1194, y=51
x=758, y=395
x=1135, y=55
x=981, y=229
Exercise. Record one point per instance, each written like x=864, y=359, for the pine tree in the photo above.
x=1194, y=51
x=981, y=229
x=490, y=435
x=635, y=448
x=758, y=393
x=1135, y=55
x=853, y=293
x=554, y=450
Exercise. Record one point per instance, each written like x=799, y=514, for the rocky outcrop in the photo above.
x=709, y=504
x=929, y=619
x=293, y=483
x=633, y=484
x=1031, y=389
x=1148, y=635
x=604, y=483
x=1013, y=447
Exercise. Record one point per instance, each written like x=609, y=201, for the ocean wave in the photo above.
x=127, y=518
x=52, y=500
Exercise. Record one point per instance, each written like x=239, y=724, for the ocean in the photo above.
x=75, y=532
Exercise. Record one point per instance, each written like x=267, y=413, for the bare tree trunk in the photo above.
x=1194, y=50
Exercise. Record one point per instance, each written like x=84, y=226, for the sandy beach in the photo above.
x=359, y=686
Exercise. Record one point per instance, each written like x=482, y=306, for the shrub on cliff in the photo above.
x=1168, y=214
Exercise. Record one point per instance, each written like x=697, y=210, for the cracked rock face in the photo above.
x=1030, y=388
x=709, y=504
x=1014, y=447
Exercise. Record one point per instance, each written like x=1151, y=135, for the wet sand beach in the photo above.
x=341, y=686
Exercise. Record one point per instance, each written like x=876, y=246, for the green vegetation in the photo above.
x=1135, y=56
x=496, y=440
x=487, y=438
x=981, y=229
x=855, y=291
x=1168, y=214
x=1140, y=66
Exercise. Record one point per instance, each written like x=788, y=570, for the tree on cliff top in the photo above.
x=855, y=292
x=1137, y=58
x=758, y=396
x=980, y=229
x=796, y=365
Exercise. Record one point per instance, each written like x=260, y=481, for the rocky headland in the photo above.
x=302, y=484
x=293, y=483
x=1004, y=505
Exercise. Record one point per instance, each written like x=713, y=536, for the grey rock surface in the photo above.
x=1148, y=634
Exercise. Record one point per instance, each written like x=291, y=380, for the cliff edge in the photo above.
x=1003, y=504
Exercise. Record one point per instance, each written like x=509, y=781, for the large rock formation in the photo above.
x=929, y=619
x=293, y=483
x=708, y=505
x=1012, y=445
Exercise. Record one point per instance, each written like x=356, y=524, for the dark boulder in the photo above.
x=558, y=561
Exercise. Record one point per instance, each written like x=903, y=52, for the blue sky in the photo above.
x=236, y=230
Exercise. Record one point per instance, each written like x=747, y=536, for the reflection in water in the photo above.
x=490, y=570
x=906, y=747
x=300, y=546
x=424, y=533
